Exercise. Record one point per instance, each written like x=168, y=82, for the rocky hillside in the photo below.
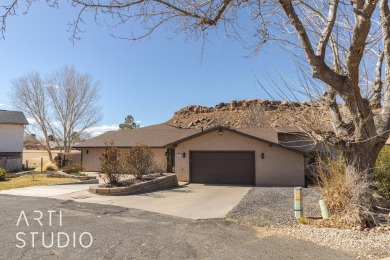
x=252, y=113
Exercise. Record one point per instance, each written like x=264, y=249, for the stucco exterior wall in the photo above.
x=280, y=167
x=91, y=162
x=11, y=138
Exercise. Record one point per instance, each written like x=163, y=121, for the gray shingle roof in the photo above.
x=12, y=117
x=153, y=136
x=164, y=135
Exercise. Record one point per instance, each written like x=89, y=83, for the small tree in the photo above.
x=139, y=161
x=129, y=124
x=112, y=164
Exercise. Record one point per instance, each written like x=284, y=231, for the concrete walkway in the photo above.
x=47, y=190
x=194, y=201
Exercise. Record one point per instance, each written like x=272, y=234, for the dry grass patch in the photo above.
x=47, y=167
x=27, y=181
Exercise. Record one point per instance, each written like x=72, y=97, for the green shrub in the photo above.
x=382, y=172
x=73, y=168
x=3, y=174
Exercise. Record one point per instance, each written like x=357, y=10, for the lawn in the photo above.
x=27, y=181
x=34, y=157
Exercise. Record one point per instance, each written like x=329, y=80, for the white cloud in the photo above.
x=31, y=120
x=139, y=121
x=5, y=105
x=97, y=130
x=56, y=123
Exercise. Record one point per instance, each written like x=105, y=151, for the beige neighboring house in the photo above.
x=256, y=156
x=12, y=125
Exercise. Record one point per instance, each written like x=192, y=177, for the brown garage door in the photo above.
x=232, y=167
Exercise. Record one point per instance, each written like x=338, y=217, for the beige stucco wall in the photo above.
x=11, y=138
x=91, y=160
x=280, y=167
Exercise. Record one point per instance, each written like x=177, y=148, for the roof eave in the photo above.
x=174, y=144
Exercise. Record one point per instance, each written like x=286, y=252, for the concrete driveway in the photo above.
x=194, y=201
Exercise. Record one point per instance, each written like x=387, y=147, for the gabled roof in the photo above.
x=268, y=135
x=166, y=136
x=153, y=136
x=12, y=117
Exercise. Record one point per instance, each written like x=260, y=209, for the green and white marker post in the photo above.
x=298, y=202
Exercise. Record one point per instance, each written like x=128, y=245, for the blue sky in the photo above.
x=150, y=79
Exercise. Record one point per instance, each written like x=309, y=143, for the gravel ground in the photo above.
x=272, y=208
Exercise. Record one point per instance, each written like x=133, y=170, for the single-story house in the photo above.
x=241, y=156
x=11, y=139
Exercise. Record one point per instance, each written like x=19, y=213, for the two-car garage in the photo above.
x=230, y=157
x=222, y=167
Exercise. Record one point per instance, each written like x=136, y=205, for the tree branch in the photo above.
x=363, y=12
x=375, y=100
x=318, y=66
x=327, y=32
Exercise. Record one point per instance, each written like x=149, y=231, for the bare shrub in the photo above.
x=112, y=164
x=139, y=161
x=73, y=168
x=47, y=167
x=160, y=166
x=344, y=195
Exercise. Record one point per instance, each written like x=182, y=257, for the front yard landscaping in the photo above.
x=27, y=181
x=131, y=173
x=272, y=210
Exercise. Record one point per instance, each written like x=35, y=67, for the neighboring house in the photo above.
x=242, y=156
x=11, y=139
x=56, y=145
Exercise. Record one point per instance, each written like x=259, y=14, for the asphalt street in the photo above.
x=46, y=228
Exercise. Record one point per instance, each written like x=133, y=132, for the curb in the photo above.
x=92, y=181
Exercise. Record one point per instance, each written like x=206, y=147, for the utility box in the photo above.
x=298, y=202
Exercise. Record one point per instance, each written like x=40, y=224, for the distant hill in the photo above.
x=253, y=113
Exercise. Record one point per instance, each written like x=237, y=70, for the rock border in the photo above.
x=164, y=182
x=82, y=179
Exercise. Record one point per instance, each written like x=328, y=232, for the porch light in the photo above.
x=262, y=155
x=184, y=155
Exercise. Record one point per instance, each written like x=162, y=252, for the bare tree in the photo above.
x=345, y=45
x=73, y=99
x=63, y=106
x=256, y=117
x=29, y=95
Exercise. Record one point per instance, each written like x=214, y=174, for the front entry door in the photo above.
x=171, y=160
